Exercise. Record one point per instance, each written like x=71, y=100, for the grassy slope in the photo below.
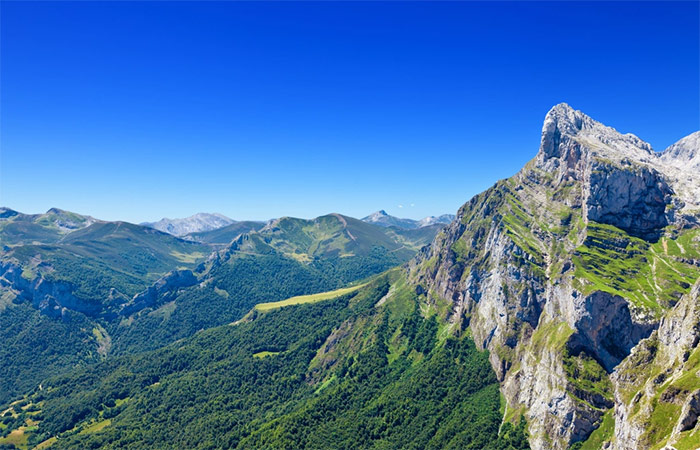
x=311, y=298
x=17, y=228
x=652, y=276
x=332, y=235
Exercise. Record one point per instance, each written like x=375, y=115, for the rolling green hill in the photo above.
x=58, y=299
x=107, y=256
x=17, y=228
x=332, y=235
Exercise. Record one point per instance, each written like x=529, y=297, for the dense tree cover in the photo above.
x=448, y=399
x=35, y=346
x=210, y=391
x=235, y=287
x=347, y=269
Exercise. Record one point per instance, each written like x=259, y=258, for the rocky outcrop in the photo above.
x=53, y=298
x=605, y=328
x=660, y=381
x=690, y=413
x=510, y=269
x=632, y=198
x=160, y=292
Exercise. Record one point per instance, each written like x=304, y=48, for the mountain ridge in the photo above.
x=533, y=265
x=383, y=219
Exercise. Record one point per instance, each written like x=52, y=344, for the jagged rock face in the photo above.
x=619, y=185
x=605, y=328
x=660, y=380
x=167, y=286
x=53, y=298
x=632, y=199
x=510, y=267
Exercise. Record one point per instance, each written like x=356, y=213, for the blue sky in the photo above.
x=136, y=111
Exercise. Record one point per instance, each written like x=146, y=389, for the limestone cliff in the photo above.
x=562, y=269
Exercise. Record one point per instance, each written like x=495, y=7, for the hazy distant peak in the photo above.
x=383, y=219
x=432, y=220
x=7, y=212
x=192, y=224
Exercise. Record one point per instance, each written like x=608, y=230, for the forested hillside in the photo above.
x=268, y=382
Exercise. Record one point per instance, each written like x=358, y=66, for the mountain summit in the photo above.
x=566, y=270
x=193, y=224
x=383, y=219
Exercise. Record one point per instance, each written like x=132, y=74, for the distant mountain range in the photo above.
x=383, y=219
x=193, y=224
x=200, y=226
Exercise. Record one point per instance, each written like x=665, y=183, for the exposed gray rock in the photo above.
x=605, y=328
x=53, y=298
x=163, y=289
x=690, y=413
x=514, y=281
x=632, y=198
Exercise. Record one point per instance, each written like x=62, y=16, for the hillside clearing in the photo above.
x=312, y=298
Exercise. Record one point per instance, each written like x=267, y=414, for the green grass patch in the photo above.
x=586, y=374
x=264, y=354
x=688, y=440
x=661, y=423
x=652, y=276
x=188, y=258
x=17, y=437
x=551, y=335
x=312, y=298
x=96, y=426
x=47, y=443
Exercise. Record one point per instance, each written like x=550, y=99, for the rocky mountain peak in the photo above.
x=376, y=215
x=563, y=125
x=684, y=153
x=559, y=268
x=7, y=212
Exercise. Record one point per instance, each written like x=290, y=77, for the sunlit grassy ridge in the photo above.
x=313, y=298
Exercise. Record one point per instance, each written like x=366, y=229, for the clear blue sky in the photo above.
x=136, y=111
